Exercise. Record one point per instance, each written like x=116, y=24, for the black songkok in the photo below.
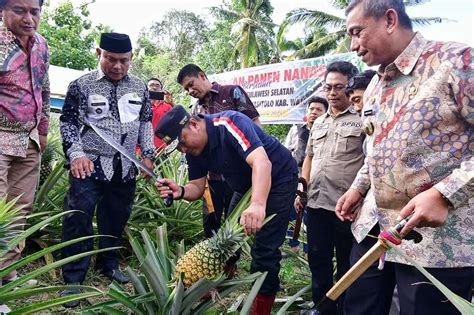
x=115, y=43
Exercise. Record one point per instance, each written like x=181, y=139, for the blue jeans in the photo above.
x=114, y=201
x=265, y=252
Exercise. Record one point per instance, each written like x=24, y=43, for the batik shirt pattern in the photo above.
x=24, y=93
x=422, y=110
x=121, y=109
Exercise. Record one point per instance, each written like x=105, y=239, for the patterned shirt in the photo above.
x=226, y=97
x=222, y=98
x=24, y=92
x=335, y=148
x=122, y=109
x=422, y=110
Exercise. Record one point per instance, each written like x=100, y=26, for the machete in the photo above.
x=168, y=200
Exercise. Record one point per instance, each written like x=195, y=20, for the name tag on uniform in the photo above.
x=368, y=112
x=354, y=124
x=321, y=126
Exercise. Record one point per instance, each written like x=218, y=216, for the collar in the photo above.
x=212, y=140
x=101, y=75
x=8, y=37
x=214, y=90
x=349, y=109
x=406, y=61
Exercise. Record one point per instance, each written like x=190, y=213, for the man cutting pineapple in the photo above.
x=229, y=143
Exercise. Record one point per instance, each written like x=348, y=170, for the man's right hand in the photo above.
x=298, y=204
x=82, y=167
x=168, y=187
x=346, y=204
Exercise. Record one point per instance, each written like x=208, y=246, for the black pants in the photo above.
x=372, y=293
x=325, y=233
x=114, y=204
x=221, y=195
x=265, y=252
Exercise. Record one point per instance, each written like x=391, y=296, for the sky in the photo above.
x=126, y=16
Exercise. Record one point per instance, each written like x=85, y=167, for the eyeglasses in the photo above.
x=337, y=88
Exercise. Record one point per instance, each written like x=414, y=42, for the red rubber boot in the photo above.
x=262, y=305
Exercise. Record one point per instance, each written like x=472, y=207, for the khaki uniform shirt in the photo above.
x=335, y=145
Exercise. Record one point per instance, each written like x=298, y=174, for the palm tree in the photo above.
x=335, y=38
x=252, y=28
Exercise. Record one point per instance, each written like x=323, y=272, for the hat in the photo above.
x=170, y=126
x=360, y=81
x=115, y=43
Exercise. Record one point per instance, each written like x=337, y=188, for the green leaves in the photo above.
x=71, y=37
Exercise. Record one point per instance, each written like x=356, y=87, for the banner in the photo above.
x=280, y=91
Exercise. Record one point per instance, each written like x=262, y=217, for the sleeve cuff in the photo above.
x=453, y=191
x=76, y=155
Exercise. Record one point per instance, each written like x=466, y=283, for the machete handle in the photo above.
x=168, y=200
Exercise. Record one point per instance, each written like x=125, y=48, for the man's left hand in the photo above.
x=148, y=163
x=169, y=98
x=43, y=140
x=252, y=219
x=430, y=210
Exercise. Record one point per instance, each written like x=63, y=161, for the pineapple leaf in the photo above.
x=253, y=293
x=178, y=298
x=461, y=304
x=197, y=290
x=293, y=299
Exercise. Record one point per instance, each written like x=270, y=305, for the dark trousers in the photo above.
x=325, y=233
x=221, y=195
x=372, y=293
x=265, y=252
x=114, y=204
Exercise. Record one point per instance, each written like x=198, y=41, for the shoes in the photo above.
x=69, y=292
x=262, y=304
x=117, y=275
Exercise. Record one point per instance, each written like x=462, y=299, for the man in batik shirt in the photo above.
x=421, y=111
x=117, y=103
x=24, y=107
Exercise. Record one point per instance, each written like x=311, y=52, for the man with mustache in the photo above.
x=333, y=157
x=419, y=111
x=24, y=108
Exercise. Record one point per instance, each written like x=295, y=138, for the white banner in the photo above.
x=280, y=91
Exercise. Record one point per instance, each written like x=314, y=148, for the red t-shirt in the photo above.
x=159, y=109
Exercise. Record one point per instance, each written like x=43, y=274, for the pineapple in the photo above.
x=207, y=258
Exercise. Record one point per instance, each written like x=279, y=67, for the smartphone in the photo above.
x=160, y=96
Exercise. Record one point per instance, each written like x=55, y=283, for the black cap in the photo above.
x=360, y=81
x=115, y=43
x=170, y=126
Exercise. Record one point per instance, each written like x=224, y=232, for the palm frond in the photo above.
x=424, y=21
x=314, y=18
x=411, y=3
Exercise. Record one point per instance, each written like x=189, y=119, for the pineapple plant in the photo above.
x=47, y=162
x=50, y=154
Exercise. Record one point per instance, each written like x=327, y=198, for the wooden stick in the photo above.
x=208, y=199
x=357, y=270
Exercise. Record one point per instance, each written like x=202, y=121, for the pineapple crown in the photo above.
x=227, y=240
